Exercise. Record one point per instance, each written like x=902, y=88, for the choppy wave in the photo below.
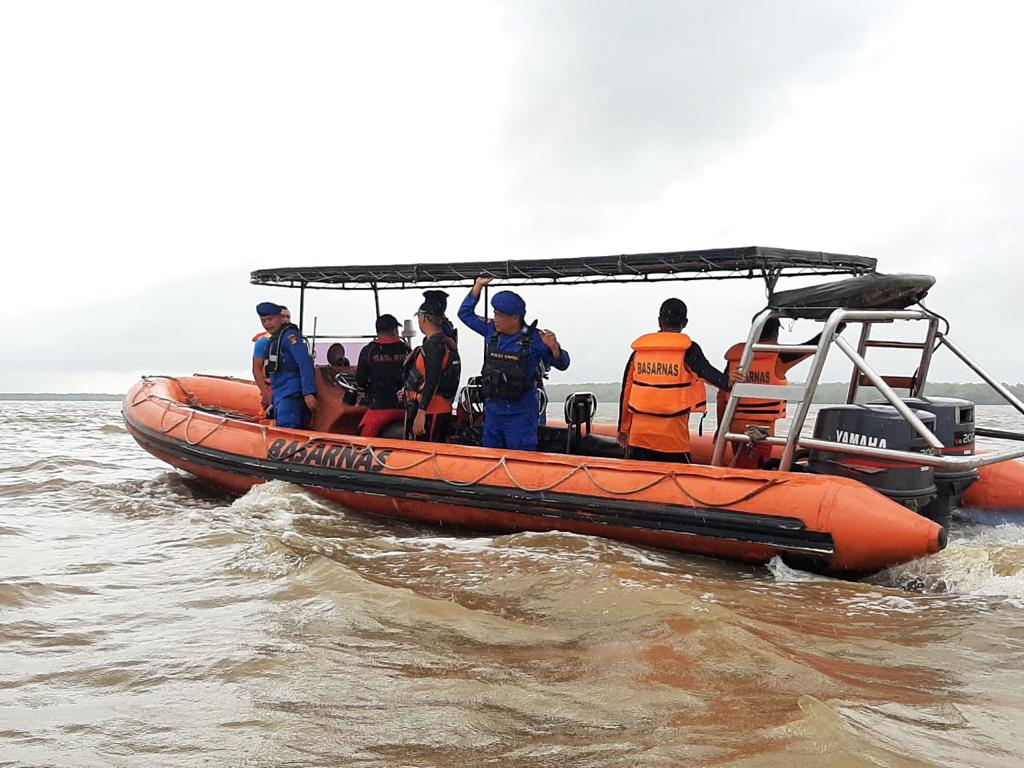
x=984, y=562
x=47, y=465
x=149, y=618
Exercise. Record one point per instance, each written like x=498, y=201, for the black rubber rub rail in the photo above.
x=784, y=533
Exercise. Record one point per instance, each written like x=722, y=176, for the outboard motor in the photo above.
x=954, y=426
x=874, y=426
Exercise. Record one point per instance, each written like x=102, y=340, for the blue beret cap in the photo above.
x=268, y=308
x=509, y=302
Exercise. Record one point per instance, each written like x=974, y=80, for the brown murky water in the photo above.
x=146, y=619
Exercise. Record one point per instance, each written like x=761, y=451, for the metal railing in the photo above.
x=803, y=394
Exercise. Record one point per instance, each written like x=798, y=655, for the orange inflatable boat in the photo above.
x=872, y=485
x=209, y=427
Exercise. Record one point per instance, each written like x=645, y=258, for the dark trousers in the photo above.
x=516, y=431
x=290, y=411
x=646, y=454
x=437, y=426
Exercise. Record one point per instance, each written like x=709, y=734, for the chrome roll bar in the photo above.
x=863, y=373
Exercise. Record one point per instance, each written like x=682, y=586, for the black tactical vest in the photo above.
x=505, y=375
x=384, y=373
x=274, y=362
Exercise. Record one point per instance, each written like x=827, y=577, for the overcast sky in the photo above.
x=153, y=154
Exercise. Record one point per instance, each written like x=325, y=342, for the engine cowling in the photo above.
x=876, y=426
x=954, y=426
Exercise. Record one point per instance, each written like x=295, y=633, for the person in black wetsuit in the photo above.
x=439, y=300
x=379, y=375
x=432, y=375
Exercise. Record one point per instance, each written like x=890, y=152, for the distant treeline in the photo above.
x=832, y=392
x=58, y=396
x=608, y=392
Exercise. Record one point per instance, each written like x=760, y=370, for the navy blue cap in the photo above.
x=268, y=309
x=509, y=302
x=387, y=323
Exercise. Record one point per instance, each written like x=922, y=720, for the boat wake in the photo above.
x=979, y=561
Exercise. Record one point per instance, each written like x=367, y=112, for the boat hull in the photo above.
x=207, y=426
x=999, y=488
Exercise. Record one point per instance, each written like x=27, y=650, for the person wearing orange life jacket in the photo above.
x=431, y=376
x=765, y=368
x=261, y=345
x=662, y=384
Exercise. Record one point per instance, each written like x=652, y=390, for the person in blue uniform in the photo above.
x=514, y=356
x=261, y=341
x=292, y=382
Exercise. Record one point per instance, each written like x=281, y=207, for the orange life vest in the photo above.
x=763, y=369
x=416, y=377
x=662, y=385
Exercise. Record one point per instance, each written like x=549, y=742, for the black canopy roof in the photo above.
x=716, y=264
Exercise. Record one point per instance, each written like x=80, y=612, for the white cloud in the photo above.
x=156, y=154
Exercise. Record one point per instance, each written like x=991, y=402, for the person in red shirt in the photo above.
x=379, y=375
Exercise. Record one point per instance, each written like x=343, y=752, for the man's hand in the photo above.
x=419, y=424
x=311, y=402
x=624, y=439
x=265, y=398
x=478, y=286
x=551, y=342
x=737, y=376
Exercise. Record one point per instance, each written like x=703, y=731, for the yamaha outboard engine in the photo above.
x=873, y=426
x=954, y=426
